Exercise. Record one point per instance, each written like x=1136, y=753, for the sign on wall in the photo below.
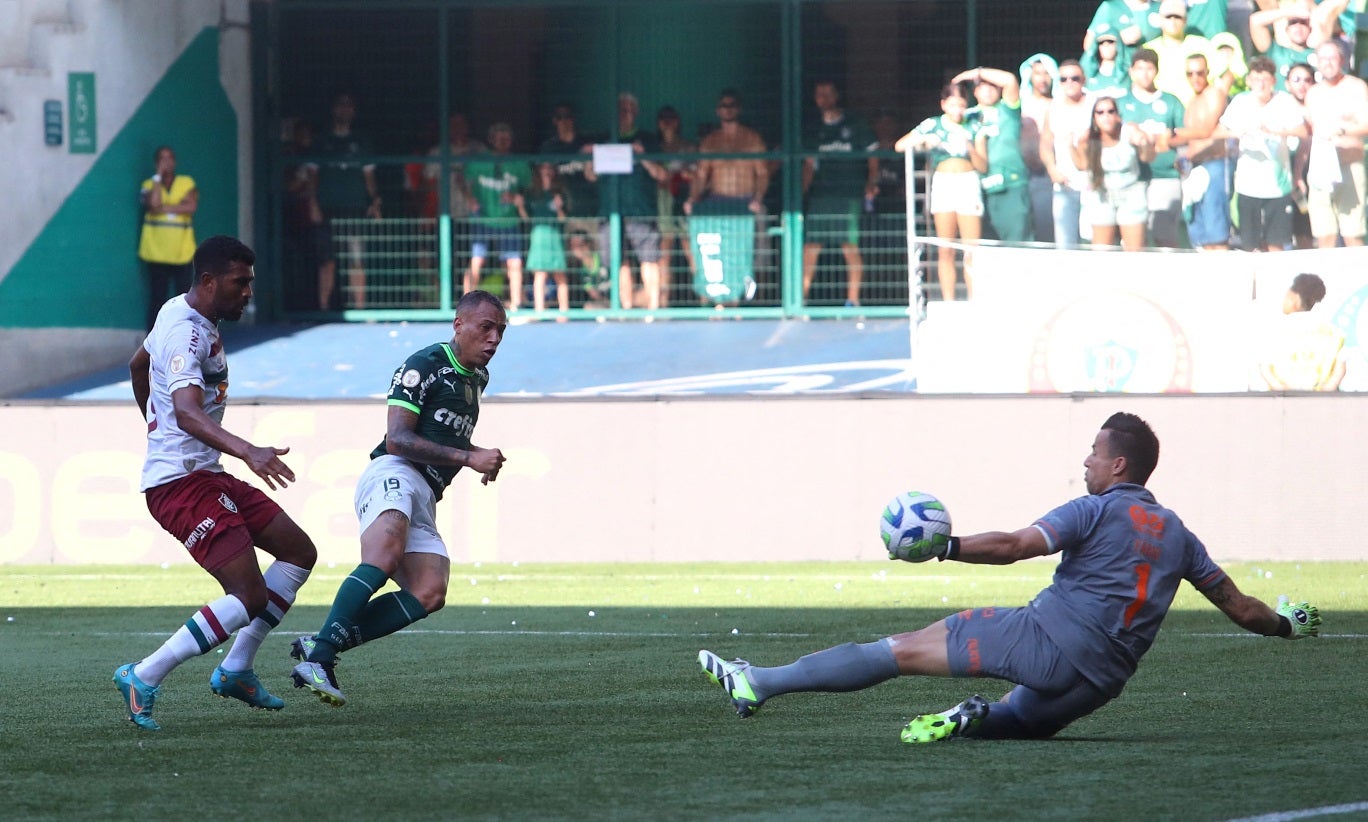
x=52, y=122
x=81, y=103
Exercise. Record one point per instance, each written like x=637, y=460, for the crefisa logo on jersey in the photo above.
x=227, y=503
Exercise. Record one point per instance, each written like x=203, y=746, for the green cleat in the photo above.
x=138, y=697
x=732, y=677
x=319, y=678
x=954, y=722
x=244, y=686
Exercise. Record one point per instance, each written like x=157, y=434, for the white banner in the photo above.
x=1044, y=320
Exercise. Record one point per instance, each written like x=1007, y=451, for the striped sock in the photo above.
x=207, y=629
x=283, y=581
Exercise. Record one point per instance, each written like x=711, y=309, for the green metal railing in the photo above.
x=411, y=63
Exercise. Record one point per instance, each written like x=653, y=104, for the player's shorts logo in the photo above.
x=227, y=503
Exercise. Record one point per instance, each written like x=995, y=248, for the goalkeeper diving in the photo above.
x=1074, y=647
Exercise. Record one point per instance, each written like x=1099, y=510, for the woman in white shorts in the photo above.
x=956, y=196
x=1111, y=153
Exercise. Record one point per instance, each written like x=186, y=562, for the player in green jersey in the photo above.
x=434, y=401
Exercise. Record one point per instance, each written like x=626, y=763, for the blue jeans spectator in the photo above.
x=1068, y=207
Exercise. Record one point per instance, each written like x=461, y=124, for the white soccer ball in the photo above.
x=915, y=527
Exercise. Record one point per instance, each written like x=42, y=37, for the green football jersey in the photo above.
x=490, y=180
x=1157, y=116
x=1002, y=124
x=843, y=168
x=446, y=397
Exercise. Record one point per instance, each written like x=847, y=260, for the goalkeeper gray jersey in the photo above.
x=1123, y=555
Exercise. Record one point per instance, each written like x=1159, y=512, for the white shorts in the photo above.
x=391, y=483
x=1127, y=205
x=956, y=192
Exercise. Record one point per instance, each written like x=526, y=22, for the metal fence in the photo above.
x=428, y=80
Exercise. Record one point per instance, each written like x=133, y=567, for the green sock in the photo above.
x=386, y=614
x=339, y=632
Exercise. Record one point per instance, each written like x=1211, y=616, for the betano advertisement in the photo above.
x=719, y=479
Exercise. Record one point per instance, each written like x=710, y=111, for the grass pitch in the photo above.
x=572, y=692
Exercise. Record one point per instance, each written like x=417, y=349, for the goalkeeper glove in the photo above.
x=1300, y=619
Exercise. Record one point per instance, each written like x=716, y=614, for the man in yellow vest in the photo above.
x=169, y=201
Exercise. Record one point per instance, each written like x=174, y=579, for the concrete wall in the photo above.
x=166, y=72
x=1258, y=477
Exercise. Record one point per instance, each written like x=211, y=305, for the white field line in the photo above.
x=514, y=631
x=1306, y=813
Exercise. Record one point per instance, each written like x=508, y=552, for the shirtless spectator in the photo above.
x=1205, y=189
x=734, y=187
x=1337, y=109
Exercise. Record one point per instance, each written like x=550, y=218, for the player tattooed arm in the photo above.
x=402, y=440
x=1248, y=612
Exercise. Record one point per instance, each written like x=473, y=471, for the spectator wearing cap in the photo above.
x=1174, y=45
x=1134, y=21
x=1107, y=65
x=1295, y=22
x=997, y=132
x=1039, y=74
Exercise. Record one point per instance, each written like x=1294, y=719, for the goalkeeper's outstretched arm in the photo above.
x=1290, y=621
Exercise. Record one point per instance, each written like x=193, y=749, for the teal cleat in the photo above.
x=302, y=647
x=244, y=686
x=138, y=697
x=955, y=722
x=732, y=677
x=319, y=678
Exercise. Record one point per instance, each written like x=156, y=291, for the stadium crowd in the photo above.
x=1170, y=128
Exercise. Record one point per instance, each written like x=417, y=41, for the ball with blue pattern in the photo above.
x=915, y=527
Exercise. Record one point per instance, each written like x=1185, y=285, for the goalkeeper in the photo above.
x=1071, y=650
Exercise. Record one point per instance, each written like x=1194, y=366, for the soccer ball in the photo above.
x=915, y=527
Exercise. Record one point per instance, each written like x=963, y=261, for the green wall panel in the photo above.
x=82, y=271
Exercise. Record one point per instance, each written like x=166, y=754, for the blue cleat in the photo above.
x=245, y=687
x=138, y=697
